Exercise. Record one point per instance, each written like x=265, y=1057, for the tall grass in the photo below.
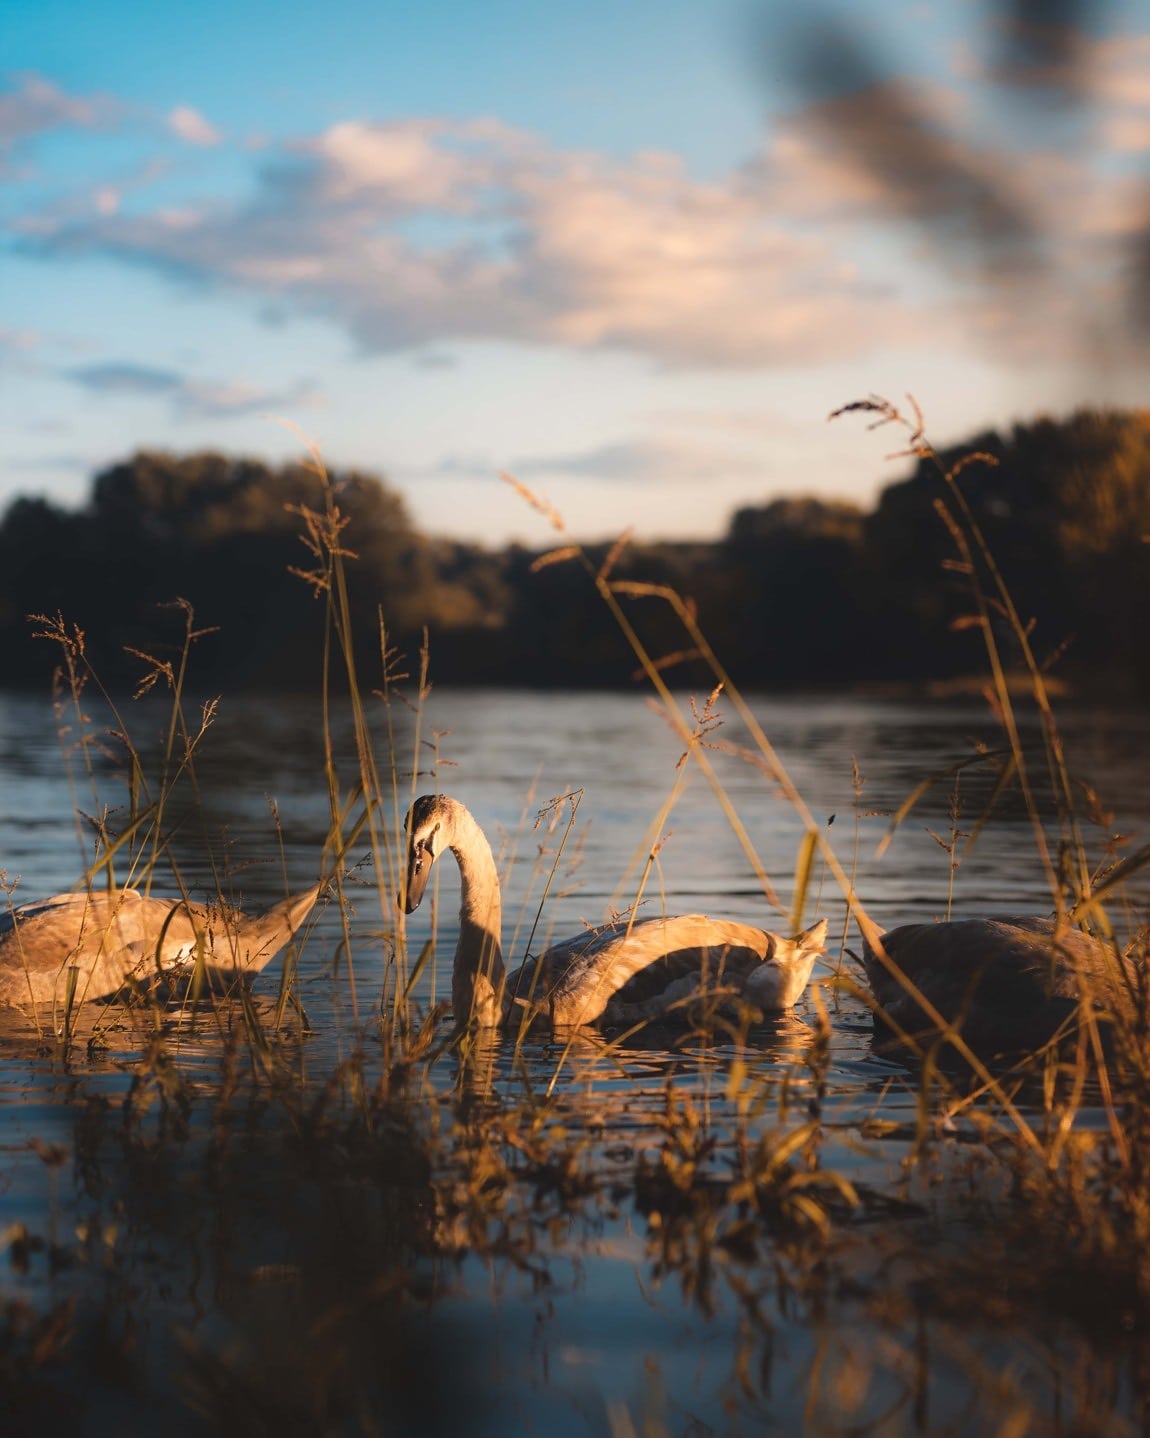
x=129, y=846
x=1098, y=1182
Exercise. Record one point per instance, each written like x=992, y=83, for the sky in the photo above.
x=632, y=254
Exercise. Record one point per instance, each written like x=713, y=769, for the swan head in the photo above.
x=426, y=840
x=778, y=982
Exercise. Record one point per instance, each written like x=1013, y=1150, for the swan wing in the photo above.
x=583, y=974
x=734, y=975
x=1008, y=982
x=105, y=937
x=111, y=938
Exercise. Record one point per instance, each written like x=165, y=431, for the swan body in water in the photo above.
x=113, y=938
x=610, y=973
x=1009, y=984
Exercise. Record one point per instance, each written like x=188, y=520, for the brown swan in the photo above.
x=110, y=939
x=1008, y=984
x=586, y=978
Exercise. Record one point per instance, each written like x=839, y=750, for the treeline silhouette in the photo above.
x=799, y=592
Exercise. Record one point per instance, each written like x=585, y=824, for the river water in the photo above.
x=177, y=1260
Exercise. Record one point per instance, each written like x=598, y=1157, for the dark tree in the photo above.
x=1065, y=511
x=800, y=592
x=793, y=602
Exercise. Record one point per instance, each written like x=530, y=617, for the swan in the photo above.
x=585, y=978
x=113, y=938
x=1010, y=984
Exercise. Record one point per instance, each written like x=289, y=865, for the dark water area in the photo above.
x=207, y=1231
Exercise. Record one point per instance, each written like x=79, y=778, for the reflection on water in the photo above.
x=219, y=1225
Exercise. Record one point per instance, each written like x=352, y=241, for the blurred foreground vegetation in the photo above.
x=799, y=592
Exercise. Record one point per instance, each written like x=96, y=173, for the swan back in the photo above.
x=574, y=981
x=1010, y=983
x=112, y=938
x=649, y=969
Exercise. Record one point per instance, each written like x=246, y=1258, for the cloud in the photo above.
x=215, y=400
x=191, y=126
x=15, y=342
x=1119, y=83
x=844, y=235
x=404, y=164
x=35, y=106
x=417, y=234
x=647, y=460
x=1130, y=132
x=759, y=426
x=434, y=359
x=72, y=461
x=129, y=379
x=1119, y=71
x=191, y=398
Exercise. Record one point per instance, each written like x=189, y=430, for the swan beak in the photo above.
x=419, y=862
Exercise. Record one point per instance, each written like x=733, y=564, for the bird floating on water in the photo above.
x=113, y=939
x=600, y=973
x=1008, y=984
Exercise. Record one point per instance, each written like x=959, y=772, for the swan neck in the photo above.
x=478, y=973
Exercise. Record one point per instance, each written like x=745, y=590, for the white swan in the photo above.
x=580, y=980
x=109, y=939
x=1009, y=984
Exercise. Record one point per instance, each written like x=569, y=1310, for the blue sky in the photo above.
x=633, y=254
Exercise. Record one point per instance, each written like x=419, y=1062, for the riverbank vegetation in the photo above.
x=798, y=592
